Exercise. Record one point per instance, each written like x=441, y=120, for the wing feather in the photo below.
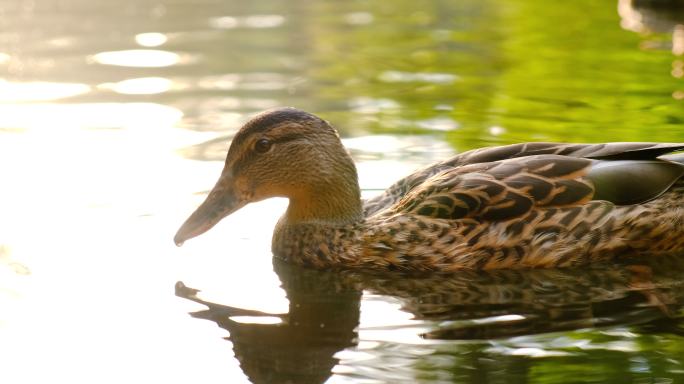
x=528, y=170
x=513, y=188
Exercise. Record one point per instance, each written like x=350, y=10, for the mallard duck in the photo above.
x=514, y=206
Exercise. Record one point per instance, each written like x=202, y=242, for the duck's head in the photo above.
x=283, y=152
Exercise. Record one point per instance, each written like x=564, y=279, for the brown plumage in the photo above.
x=515, y=206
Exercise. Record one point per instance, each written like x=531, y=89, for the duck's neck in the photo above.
x=311, y=228
x=334, y=203
x=322, y=205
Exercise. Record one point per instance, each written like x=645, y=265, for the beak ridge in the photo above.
x=220, y=203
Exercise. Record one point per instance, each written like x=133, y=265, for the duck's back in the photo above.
x=605, y=151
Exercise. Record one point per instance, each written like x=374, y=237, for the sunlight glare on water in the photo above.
x=39, y=91
x=151, y=39
x=254, y=21
x=138, y=58
x=140, y=86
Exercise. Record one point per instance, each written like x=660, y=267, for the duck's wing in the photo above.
x=508, y=189
x=608, y=151
x=612, y=151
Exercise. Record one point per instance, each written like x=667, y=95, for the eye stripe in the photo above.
x=250, y=155
x=269, y=119
x=286, y=138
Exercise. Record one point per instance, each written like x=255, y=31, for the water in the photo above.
x=114, y=119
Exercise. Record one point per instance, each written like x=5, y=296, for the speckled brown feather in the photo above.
x=545, y=237
x=518, y=212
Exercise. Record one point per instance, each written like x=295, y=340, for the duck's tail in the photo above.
x=677, y=158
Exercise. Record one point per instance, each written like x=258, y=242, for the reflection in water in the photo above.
x=409, y=77
x=358, y=18
x=143, y=58
x=438, y=124
x=39, y=91
x=657, y=16
x=324, y=313
x=320, y=322
x=150, y=39
x=11, y=265
x=254, y=21
x=651, y=16
x=248, y=81
x=140, y=86
x=48, y=117
x=367, y=105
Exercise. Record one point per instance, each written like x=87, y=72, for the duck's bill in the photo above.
x=219, y=204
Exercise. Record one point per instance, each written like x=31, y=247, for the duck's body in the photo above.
x=517, y=206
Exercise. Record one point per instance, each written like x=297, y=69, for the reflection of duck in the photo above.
x=541, y=300
x=324, y=310
x=501, y=207
x=655, y=16
x=321, y=321
x=651, y=15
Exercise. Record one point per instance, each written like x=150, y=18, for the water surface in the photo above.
x=114, y=119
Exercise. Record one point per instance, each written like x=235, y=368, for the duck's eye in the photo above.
x=263, y=145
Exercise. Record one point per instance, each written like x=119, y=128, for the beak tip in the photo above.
x=178, y=240
x=216, y=206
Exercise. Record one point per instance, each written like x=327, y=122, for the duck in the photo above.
x=525, y=205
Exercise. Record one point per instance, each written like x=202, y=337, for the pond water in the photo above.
x=115, y=118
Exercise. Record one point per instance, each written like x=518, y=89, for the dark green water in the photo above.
x=114, y=120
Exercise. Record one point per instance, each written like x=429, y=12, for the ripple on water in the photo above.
x=151, y=39
x=369, y=105
x=58, y=119
x=142, y=58
x=39, y=91
x=253, y=21
x=438, y=124
x=417, y=77
x=359, y=18
x=247, y=81
x=140, y=86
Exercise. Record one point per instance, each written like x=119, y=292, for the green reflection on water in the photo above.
x=537, y=70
